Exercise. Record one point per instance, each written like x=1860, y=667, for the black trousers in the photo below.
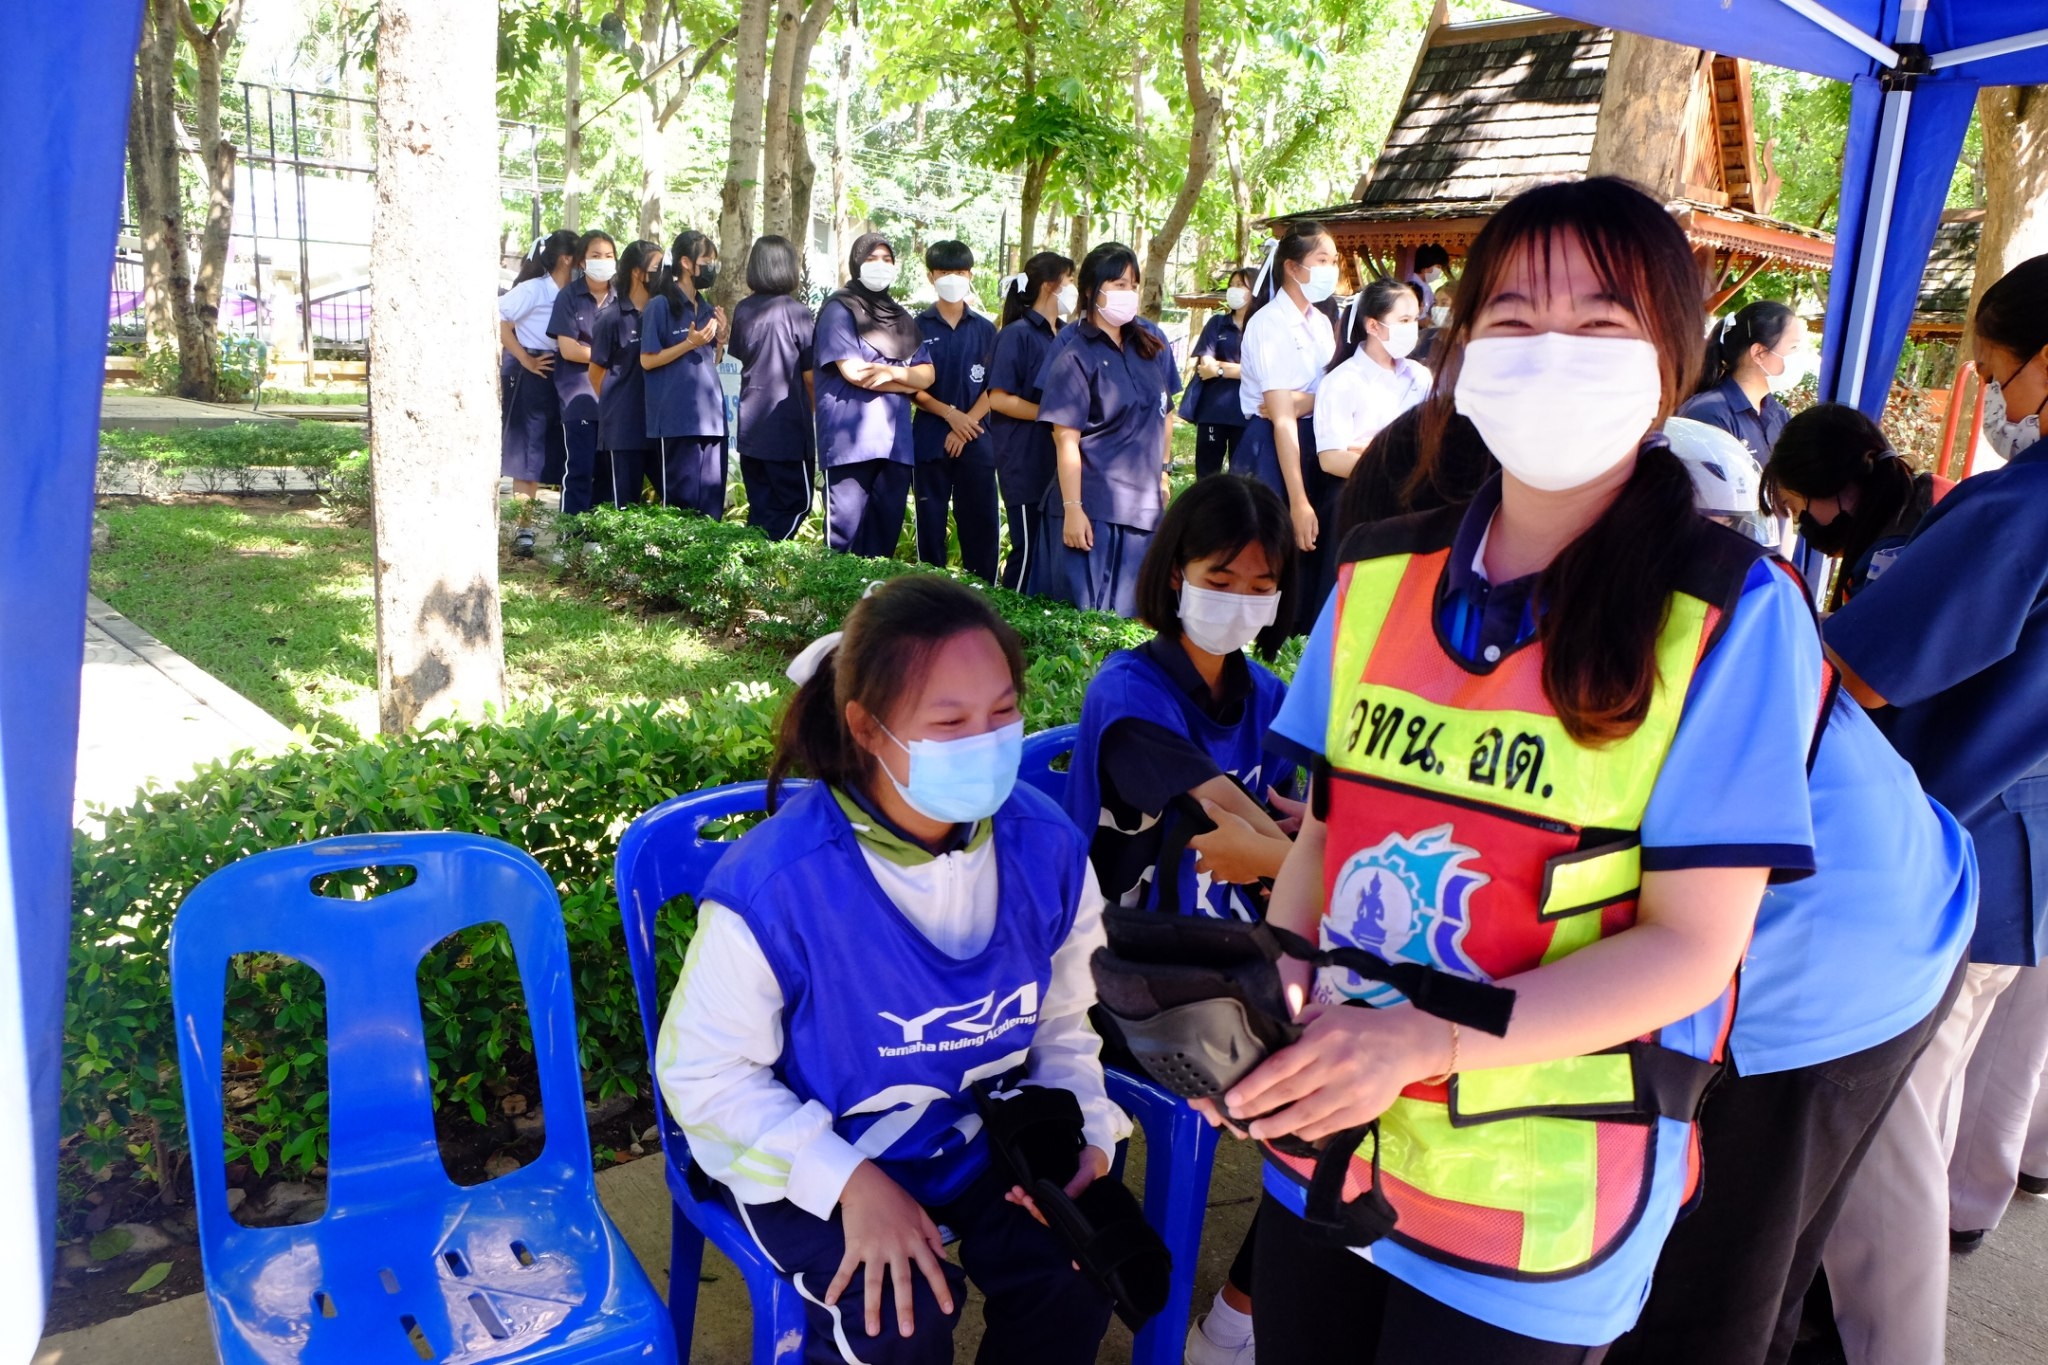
x=579, y=470
x=621, y=474
x=1213, y=444
x=1315, y=1302
x=1037, y=1310
x=966, y=487
x=691, y=473
x=778, y=494
x=864, y=506
x=1779, y=1152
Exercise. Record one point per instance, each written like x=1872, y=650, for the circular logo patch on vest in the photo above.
x=976, y=373
x=1406, y=899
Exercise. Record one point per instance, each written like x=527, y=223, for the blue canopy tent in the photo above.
x=1915, y=67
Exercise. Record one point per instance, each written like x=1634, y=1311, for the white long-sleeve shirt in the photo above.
x=1285, y=349
x=527, y=306
x=1360, y=397
x=722, y=1035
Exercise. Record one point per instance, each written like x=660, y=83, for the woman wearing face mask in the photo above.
x=1854, y=498
x=679, y=340
x=1034, y=303
x=1211, y=400
x=1955, y=684
x=794, y=1037
x=1752, y=356
x=623, y=447
x=871, y=357
x=532, y=410
x=1288, y=344
x=771, y=337
x=1519, y=711
x=1107, y=393
x=572, y=325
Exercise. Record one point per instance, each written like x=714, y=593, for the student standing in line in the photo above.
x=771, y=338
x=533, y=412
x=956, y=468
x=679, y=337
x=1034, y=303
x=1107, y=392
x=1288, y=344
x=794, y=1051
x=1561, y=811
x=1752, y=356
x=1211, y=400
x=871, y=357
x=1955, y=684
x=623, y=447
x=571, y=326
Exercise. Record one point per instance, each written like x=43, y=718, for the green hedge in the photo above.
x=241, y=457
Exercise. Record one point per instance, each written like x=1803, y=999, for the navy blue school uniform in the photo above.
x=771, y=338
x=1966, y=672
x=1025, y=463
x=576, y=314
x=1151, y=731
x=1211, y=404
x=622, y=444
x=531, y=434
x=864, y=442
x=1119, y=402
x=964, y=484
x=1756, y=425
x=685, y=408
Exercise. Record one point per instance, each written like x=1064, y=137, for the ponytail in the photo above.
x=1021, y=292
x=1761, y=323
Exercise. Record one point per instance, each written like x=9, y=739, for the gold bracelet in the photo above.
x=1452, y=1069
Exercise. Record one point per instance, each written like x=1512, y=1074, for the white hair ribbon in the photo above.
x=1265, y=268
x=1014, y=284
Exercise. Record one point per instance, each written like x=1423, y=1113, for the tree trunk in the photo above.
x=803, y=182
x=210, y=48
x=434, y=428
x=159, y=328
x=1207, y=107
x=647, y=121
x=1641, y=130
x=1240, y=198
x=156, y=87
x=572, y=126
x=841, y=150
x=743, y=161
x=1077, y=237
x=775, y=186
x=1036, y=172
x=2015, y=123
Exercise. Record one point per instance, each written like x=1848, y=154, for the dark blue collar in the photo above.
x=1172, y=660
x=1459, y=575
x=957, y=838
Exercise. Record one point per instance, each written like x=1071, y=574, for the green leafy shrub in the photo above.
x=347, y=490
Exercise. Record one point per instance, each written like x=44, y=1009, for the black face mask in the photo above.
x=707, y=274
x=1831, y=539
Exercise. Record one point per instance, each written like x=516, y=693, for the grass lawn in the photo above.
x=275, y=602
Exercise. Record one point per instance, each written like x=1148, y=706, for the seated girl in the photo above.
x=909, y=924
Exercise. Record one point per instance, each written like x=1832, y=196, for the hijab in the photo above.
x=881, y=322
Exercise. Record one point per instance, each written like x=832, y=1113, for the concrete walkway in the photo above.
x=156, y=412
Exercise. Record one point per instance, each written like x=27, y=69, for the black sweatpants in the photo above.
x=1315, y=1302
x=1213, y=444
x=621, y=474
x=864, y=506
x=965, y=486
x=1778, y=1153
x=778, y=494
x=1038, y=1309
x=691, y=473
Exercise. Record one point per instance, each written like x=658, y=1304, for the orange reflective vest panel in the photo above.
x=1469, y=831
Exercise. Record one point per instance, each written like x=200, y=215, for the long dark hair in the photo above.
x=1216, y=519
x=1831, y=447
x=642, y=255
x=1604, y=597
x=690, y=245
x=1047, y=267
x=1295, y=244
x=882, y=657
x=1107, y=262
x=1764, y=323
x=2014, y=312
x=547, y=253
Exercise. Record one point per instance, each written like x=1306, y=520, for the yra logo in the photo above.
x=1408, y=899
x=949, y=1027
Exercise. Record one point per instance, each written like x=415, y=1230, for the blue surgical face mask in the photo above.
x=961, y=781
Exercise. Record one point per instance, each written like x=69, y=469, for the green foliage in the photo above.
x=241, y=457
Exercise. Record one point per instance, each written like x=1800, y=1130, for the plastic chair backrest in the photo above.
x=1041, y=751
x=382, y=1147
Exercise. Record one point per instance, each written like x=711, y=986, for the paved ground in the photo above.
x=155, y=412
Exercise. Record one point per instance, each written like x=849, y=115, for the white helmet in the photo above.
x=1726, y=478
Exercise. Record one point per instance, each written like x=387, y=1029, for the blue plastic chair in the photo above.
x=664, y=854
x=1041, y=751
x=405, y=1265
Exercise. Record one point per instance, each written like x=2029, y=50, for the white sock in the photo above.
x=1226, y=1326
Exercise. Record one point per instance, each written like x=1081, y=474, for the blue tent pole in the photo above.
x=1877, y=217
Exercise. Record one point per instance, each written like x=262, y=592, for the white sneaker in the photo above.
x=1202, y=1351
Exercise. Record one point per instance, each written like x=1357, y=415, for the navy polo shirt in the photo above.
x=771, y=338
x=575, y=315
x=1119, y=402
x=961, y=355
x=855, y=424
x=683, y=397
x=1023, y=450
x=1726, y=406
x=1214, y=401
x=1954, y=634
x=622, y=407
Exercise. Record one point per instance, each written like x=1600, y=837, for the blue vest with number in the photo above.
x=879, y=1026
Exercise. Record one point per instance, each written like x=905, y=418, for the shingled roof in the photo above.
x=1486, y=117
x=1951, y=269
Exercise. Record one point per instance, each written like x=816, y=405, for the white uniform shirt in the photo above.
x=1360, y=397
x=1284, y=349
x=722, y=1035
x=528, y=306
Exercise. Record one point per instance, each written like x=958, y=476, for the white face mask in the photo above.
x=1069, y=298
x=952, y=288
x=1225, y=622
x=1117, y=306
x=600, y=268
x=1400, y=338
x=1795, y=369
x=2006, y=436
x=1320, y=284
x=1558, y=411
x=877, y=275
x=1236, y=297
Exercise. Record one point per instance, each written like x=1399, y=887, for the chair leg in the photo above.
x=1180, y=1152
x=685, y=1265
